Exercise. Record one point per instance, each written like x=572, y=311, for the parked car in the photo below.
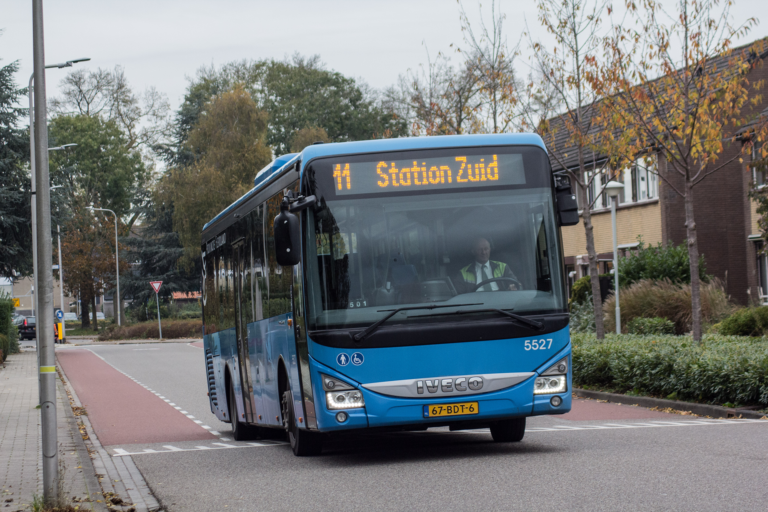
x=27, y=328
x=99, y=316
x=70, y=317
x=18, y=319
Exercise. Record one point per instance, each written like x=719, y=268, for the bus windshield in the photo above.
x=401, y=230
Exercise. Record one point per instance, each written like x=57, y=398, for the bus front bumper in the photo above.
x=382, y=411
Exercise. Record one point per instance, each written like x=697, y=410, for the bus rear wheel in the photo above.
x=508, y=431
x=302, y=441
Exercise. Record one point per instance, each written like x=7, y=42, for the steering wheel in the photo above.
x=494, y=279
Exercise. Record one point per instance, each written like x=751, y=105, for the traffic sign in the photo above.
x=17, y=303
x=59, y=314
x=156, y=285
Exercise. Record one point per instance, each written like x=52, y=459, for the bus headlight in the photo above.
x=344, y=399
x=548, y=385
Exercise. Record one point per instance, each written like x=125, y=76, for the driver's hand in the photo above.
x=512, y=287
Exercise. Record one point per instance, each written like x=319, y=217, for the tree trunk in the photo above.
x=693, y=256
x=85, y=303
x=95, y=320
x=597, y=299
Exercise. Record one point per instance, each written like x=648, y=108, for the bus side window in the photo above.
x=211, y=306
x=279, y=277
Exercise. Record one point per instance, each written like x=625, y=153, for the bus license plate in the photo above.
x=434, y=411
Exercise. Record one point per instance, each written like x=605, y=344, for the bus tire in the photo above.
x=240, y=431
x=303, y=442
x=508, y=431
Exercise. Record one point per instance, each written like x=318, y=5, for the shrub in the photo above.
x=172, y=329
x=582, y=316
x=582, y=288
x=658, y=263
x=664, y=299
x=721, y=369
x=645, y=326
x=745, y=322
x=10, y=340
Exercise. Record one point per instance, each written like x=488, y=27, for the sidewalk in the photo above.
x=20, y=442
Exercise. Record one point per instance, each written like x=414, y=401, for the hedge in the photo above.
x=722, y=369
x=9, y=335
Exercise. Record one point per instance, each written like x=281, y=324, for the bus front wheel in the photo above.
x=508, y=431
x=302, y=441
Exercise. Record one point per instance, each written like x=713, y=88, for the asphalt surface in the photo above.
x=599, y=457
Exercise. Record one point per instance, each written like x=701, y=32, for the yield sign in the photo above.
x=156, y=285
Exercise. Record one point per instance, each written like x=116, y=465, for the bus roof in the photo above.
x=275, y=168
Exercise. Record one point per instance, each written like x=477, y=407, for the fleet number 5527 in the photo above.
x=538, y=344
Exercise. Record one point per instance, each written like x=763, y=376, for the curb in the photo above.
x=714, y=411
x=89, y=473
x=95, y=341
x=118, y=477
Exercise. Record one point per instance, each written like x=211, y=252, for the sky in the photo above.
x=161, y=43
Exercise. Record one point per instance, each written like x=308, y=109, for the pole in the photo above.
x=116, y=299
x=33, y=189
x=159, y=324
x=45, y=273
x=61, y=287
x=614, y=200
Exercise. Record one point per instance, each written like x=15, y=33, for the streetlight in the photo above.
x=614, y=189
x=117, y=263
x=61, y=265
x=33, y=200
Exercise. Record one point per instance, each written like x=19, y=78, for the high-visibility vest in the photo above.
x=469, y=275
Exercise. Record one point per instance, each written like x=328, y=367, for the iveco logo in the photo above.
x=449, y=385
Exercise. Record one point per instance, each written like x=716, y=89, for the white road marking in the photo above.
x=206, y=427
x=119, y=452
x=198, y=422
x=216, y=433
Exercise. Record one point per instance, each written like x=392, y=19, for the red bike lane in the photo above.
x=120, y=410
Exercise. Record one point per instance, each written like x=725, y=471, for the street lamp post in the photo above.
x=61, y=265
x=614, y=189
x=116, y=300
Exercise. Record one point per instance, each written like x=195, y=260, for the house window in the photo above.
x=762, y=273
x=759, y=169
x=645, y=180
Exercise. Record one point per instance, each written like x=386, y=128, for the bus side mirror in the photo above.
x=287, y=236
x=567, y=208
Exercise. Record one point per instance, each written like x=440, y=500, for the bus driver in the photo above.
x=483, y=268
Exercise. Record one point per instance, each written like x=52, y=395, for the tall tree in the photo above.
x=15, y=234
x=575, y=136
x=99, y=171
x=229, y=138
x=144, y=119
x=677, y=85
x=491, y=61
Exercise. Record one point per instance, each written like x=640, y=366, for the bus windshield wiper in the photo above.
x=359, y=336
x=521, y=319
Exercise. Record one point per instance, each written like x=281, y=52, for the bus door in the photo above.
x=242, y=307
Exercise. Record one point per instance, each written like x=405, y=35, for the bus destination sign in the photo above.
x=454, y=172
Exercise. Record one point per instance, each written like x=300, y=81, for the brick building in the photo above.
x=726, y=218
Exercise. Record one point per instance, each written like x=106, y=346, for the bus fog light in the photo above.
x=344, y=399
x=548, y=385
x=555, y=401
x=341, y=417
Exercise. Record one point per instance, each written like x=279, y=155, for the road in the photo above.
x=149, y=402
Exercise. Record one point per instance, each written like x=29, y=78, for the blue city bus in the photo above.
x=395, y=284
